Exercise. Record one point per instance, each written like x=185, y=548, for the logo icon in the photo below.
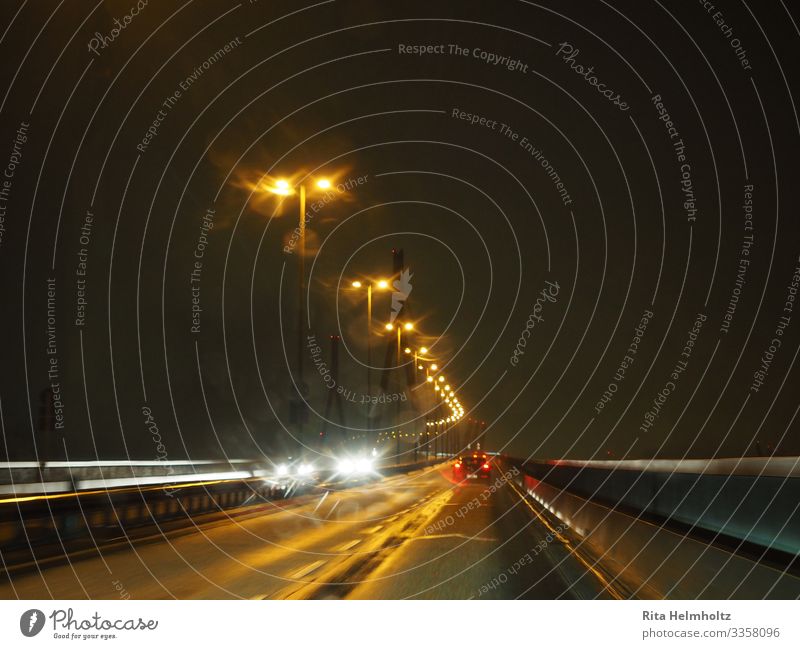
x=31, y=622
x=402, y=289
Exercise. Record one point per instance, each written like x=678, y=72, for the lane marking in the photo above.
x=349, y=545
x=452, y=535
x=321, y=500
x=311, y=567
x=372, y=530
x=328, y=515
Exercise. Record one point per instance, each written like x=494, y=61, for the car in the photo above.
x=473, y=466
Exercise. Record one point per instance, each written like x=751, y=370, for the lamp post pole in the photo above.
x=301, y=327
x=369, y=353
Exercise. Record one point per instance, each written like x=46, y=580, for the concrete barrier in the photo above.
x=661, y=532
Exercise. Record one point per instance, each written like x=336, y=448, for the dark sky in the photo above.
x=636, y=133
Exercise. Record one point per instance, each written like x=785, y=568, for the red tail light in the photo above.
x=486, y=465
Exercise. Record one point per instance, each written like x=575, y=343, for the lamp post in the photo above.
x=283, y=187
x=419, y=357
x=381, y=285
x=400, y=328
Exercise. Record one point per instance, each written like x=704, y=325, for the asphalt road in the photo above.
x=410, y=536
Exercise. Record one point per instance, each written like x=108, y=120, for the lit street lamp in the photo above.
x=381, y=285
x=283, y=187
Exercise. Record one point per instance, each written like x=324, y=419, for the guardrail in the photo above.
x=714, y=528
x=36, y=527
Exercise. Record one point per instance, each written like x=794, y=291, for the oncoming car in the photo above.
x=473, y=466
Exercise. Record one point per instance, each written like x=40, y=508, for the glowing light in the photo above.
x=281, y=187
x=356, y=284
x=423, y=350
x=430, y=380
x=364, y=465
x=383, y=284
x=389, y=326
x=434, y=367
x=407, y=350
x=408, y=326
x=324, y=183
x=441, y=379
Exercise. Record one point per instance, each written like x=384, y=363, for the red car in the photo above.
x=473, y=466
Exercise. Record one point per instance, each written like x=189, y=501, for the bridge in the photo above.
x=362, y=529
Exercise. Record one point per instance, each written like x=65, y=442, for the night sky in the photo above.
x=605, y=187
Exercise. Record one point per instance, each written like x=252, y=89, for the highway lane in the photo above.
x=417, y=535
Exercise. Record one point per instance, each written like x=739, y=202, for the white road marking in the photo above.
x=332, y=508
x=428, y=537
x=349, y=545
x=311, y=567
x=321, y=500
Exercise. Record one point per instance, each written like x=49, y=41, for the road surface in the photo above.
x=410, y=536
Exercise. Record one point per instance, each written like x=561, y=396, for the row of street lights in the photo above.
x=284, y=188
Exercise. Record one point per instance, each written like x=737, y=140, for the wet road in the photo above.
x=410, y=536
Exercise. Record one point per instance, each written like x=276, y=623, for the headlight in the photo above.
x=364, y=465
x=304, y=469
x=282, y=469
x=345, y=466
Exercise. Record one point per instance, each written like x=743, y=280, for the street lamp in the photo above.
x=419, y=359
x=380, y=284
x=283, y=187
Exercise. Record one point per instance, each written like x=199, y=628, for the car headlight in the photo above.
x=304, y=469
x=345, y=466
x=282, y=469
x=364, y=465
